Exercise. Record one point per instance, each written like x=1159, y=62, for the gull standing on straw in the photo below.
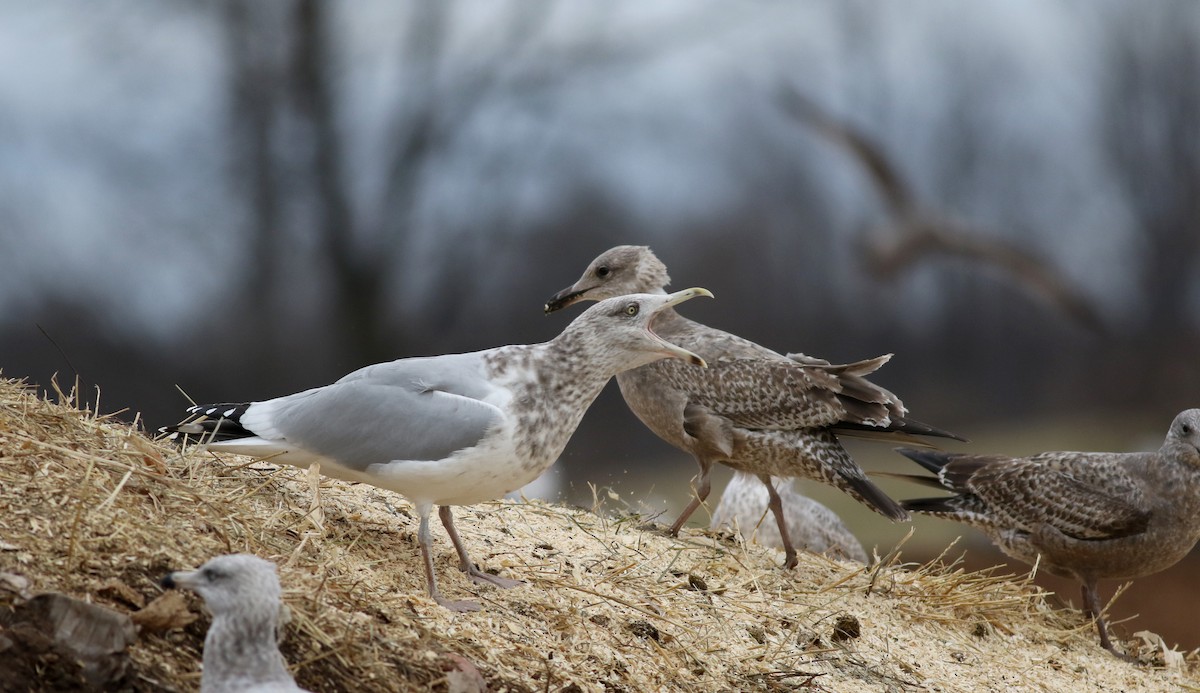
x=454, y=429
x=1083, y=515
x=240, y=654
x=753, y=409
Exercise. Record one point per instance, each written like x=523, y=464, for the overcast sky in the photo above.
x=113, y=173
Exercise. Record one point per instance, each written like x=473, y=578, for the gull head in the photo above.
x=231, y=584
x=625, y=269
x=620, y=330
x=1184, y=435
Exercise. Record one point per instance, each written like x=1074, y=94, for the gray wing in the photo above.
x=411, y=409
x=1082, y=495
x=755, y=387
x=783, y=394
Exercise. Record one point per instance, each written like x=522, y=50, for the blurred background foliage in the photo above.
x=244, y=199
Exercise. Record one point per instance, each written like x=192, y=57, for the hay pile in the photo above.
x=95, y=510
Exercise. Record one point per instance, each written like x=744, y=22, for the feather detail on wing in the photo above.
x=786, y=395
x=1077, y=494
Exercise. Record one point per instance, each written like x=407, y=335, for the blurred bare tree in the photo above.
x=1151, y=116
x=402, y=178
x=289, y=141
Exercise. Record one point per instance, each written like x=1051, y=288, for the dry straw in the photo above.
x=91, y=507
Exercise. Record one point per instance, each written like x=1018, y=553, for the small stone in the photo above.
x=644, y=629
x=167, y=612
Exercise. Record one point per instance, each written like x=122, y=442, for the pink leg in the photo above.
x=703, y=486
x=426, y=542
x=1091, y=605
x=464, y=560
x=776, y=506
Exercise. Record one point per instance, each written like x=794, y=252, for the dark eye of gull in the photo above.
x=602, y=271
x=1186, y=429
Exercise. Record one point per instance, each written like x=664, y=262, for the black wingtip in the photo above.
x=932, y=460
x=921, y=428
x=876, y=499
x=928, y=505
x=210, y=422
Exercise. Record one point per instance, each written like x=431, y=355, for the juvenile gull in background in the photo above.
x=240, y=652
x=753, y=409
x=810, y=525
x=1084, y=515
x=454, y=429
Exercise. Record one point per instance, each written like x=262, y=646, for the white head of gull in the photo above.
x=454, y=429
x=240, y=653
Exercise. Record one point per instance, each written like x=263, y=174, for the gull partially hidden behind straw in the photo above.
x=1084, y=515
x=454, y=429
x=240, y=652
x=810, y=525
x=753, y=409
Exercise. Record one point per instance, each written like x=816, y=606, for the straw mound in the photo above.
x=94, y=509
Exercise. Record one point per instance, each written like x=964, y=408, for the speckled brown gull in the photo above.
x=1084, y=515
x=240, y=653
x=753, y=409
x=745, y=504
x=454, y=429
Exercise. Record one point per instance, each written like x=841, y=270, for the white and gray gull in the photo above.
x=810, y=525
x=753, y=409
x=240, y=652
x=455, y=429
x=1084, y=515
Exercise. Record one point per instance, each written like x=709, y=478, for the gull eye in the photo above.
x=631, y=309
x=1186, y=429
x=603, y=271
x=210, y=574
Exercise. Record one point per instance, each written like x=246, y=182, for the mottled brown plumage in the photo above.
x=753, y=409
x=1084, y=515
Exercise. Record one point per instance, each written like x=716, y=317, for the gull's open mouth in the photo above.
x=675, y=350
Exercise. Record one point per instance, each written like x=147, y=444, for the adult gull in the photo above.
x=1083, y=515
x=753, y=409
x=810, y=525
x=455, y=429
x=240, y=652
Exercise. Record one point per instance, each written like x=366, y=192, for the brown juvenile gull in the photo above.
x=753, y=409
x=1083, y=515
x=240, y=652
x=810, y=525
x=454, y=429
